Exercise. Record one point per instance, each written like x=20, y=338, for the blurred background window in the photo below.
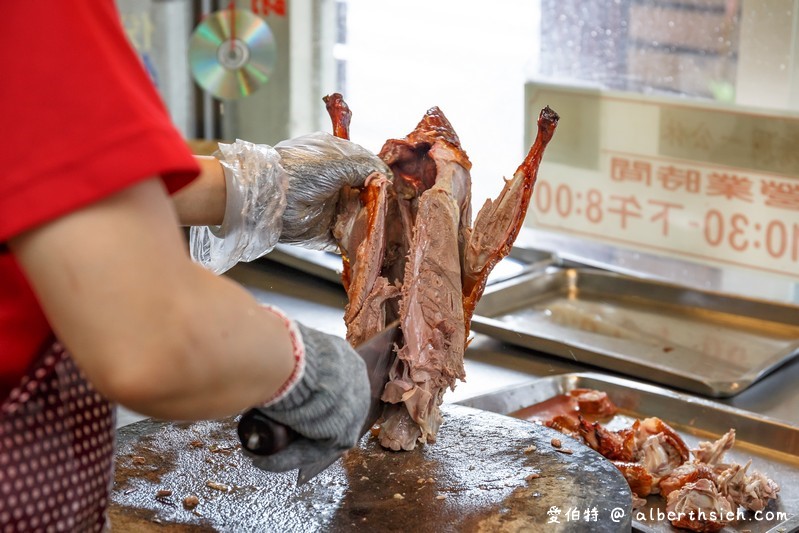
x=676, y=156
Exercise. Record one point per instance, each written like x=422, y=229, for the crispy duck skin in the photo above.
x=654, y=426
x=569, y=425
x=360, y=231
x=340, y=116
x=615, y=445
x=640, y=481
x=684, y=474
x=593, y=402
x=498, y=222
x=339, y=113
x=362, y=227
x=651, y=443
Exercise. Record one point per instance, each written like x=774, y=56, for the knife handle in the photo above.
x=261, y=435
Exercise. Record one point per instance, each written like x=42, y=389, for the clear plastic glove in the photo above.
x=255, y=200
x=288, y=193
x=327, y=406
x=319, y=165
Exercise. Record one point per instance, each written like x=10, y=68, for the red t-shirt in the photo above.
x=81, y=121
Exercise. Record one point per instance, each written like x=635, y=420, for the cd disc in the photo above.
x=232, y=53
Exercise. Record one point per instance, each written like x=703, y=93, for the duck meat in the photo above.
x=410, y=252
x=699, y=506
x=702, y=493
x=751, y=491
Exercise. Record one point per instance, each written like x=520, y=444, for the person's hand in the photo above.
x=319, y=165
x=288, y=193
x=255, y=198
x=327, y=406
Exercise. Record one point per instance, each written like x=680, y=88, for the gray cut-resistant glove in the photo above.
x=288, y=193
x=319, y=165
x=328, y=406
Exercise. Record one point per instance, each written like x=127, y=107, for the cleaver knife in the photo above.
x=260, y=435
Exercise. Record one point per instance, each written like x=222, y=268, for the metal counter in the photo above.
x=490, y=364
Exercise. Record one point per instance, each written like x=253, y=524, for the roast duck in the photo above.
x=702, y=490
x=411, y=252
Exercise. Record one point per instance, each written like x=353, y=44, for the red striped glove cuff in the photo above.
x=298, y=353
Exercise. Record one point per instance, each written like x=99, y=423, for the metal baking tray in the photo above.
x=772, y=445
x=327, y=265
x=708, y=343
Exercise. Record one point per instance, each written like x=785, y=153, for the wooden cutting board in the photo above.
x=487, y=472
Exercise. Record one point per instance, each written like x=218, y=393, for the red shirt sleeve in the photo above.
x=83, y=117
x=82, y=121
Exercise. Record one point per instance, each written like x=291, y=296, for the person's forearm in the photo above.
x=235, y=354
x=149, y=328
x=202, y=202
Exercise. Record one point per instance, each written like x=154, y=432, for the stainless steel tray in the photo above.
x=772, y=445
x=708, y=343
x=327, y=265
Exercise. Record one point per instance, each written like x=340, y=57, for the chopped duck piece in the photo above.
x=593, y=402
x=752, y=491
x=660, y=454
x=641, y=482
x=646, y=452
x=638, y=502
x=655, y=426
x=713, y=452
x=568, y=425
x=654, y=459
x=398, y=431
x=759, y=490
x=684, y=474
x=615, y=445
x=699, y=506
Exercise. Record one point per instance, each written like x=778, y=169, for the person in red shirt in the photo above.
x=100, y=303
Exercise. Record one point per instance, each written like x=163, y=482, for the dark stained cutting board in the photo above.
x=481, y=475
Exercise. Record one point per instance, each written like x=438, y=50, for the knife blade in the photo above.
x=261, y=435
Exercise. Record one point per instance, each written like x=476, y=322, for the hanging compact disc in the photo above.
x=232, y=53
